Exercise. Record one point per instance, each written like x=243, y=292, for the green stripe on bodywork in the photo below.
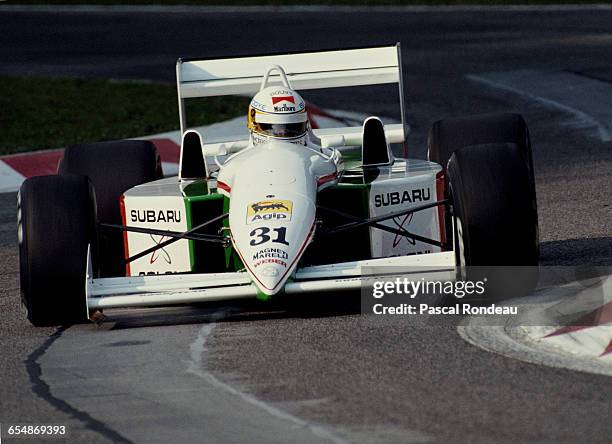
x=262, y=296
x=228, y=250
x=189, y=227
x=350, y=198
x=199, y=191
x=232, y=259
x=352, y=159
x=196, y=191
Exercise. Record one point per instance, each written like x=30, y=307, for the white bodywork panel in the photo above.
x=405, y=185
x=152, y=206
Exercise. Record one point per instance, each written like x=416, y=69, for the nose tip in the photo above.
x=270, y=276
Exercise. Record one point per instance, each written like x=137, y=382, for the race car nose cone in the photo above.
x=277, y=177
x=272, y=213
x=269, y=276
x=273, y=247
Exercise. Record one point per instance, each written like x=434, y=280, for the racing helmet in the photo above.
x=277, y=112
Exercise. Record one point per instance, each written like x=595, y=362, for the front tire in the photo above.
x=56, y=217
x=495, y=221
x=492, y=197
x=450, y=135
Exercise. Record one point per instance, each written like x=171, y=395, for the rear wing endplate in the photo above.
x=312, y=70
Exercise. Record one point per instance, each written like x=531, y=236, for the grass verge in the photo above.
x=42, y=113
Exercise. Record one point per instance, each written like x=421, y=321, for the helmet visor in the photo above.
x=287, y=130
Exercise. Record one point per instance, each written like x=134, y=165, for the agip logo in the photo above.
x=267, y=210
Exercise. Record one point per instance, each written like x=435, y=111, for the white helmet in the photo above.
x=277, y=112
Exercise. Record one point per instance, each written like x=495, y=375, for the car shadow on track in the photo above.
x=303, y=306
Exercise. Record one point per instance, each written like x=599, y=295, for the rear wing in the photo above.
x=312, y=70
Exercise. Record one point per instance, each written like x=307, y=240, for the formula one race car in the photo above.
x=290, y=210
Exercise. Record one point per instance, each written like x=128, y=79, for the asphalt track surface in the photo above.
x=317, y=370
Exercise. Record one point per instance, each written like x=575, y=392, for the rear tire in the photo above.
x=56, y=217
x=113, y=168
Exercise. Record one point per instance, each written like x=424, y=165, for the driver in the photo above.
x=278, y=113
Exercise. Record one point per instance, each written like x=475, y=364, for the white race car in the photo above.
x=289, y=210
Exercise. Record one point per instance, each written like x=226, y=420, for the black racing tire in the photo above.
x=495, y=221
x=449, y=135
x=112, y=167
x=56, y=222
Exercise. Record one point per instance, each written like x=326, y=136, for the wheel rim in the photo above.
x=460, y=246
x=19, y=224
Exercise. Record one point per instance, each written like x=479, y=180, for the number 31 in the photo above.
x=261, y=236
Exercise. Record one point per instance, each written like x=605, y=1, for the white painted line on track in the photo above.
x=197, y=366
x=581, y=119
x=324, y=9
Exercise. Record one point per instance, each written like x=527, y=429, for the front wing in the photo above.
x=159, y=290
